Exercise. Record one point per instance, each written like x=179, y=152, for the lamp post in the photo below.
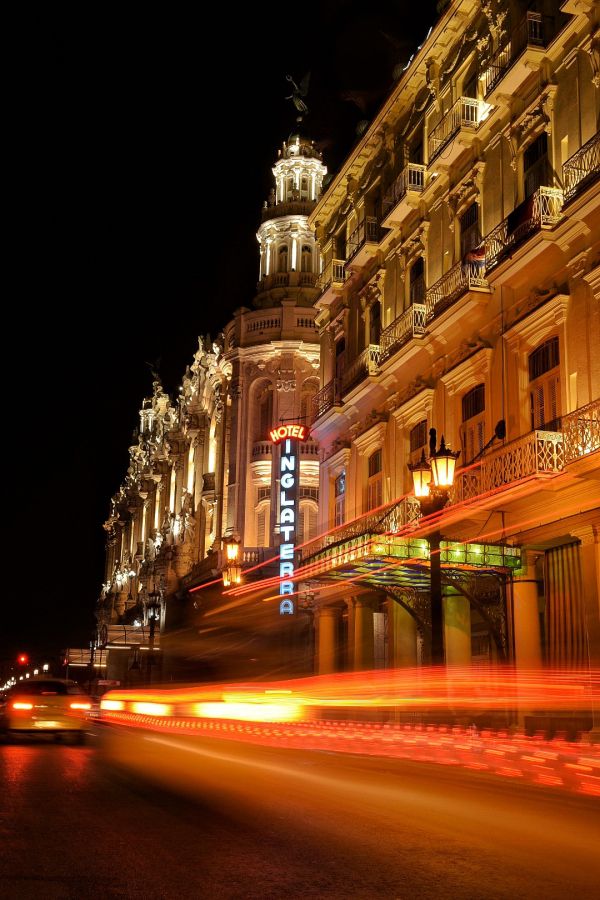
x=232, y=573
x=153, y=605
x=432, y=482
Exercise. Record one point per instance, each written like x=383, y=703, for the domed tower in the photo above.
x=289, y=259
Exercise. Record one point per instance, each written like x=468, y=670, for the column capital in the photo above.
x=587, y=534
x=328, y=611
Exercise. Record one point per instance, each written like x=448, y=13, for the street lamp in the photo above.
x=432, y=482
x=232, y=573
x=153, y=605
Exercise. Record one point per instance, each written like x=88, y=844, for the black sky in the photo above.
x=141, y=151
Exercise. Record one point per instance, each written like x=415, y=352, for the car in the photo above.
x=45, y=706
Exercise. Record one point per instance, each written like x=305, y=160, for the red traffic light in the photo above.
x=22, y=659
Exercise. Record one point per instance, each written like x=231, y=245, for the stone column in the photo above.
x=403, y=636
x=363, y=635
x=589, y=554
x=327, y=640
x=457, y=628
x=526, y=619
x=350, y=636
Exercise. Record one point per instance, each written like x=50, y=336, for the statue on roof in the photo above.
x=298, y=92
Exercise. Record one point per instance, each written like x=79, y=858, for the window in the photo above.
x=340, y=357
x=417, y=281
x=264, y=493
x=306, y=258
x=374, y=322
x=261, y=525
x=340, y=499
x=264, y=419
x=544, y=386
x=307, y=521
x=375, y=481
x=470, y=236
x=283, y=259
x=418, y=441
x=304, y=188
x=472, y=432
x=535, y=165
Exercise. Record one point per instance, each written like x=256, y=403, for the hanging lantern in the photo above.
x=443, y=463
x=421, y=473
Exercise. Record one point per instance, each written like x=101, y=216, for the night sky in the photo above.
x=137, y=172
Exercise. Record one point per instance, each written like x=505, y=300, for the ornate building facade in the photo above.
x=460, y=290
x=204, y=469
x=448, y=278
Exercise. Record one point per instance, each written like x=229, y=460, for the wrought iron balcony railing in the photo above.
x=536, y=453
x=466, y=113
x=581, y=431
x=541, y=210
x=326, y=398
x=366, y=363
x=333, y=273
x=367, y=231
x=461, y=278
x=582, y=169
x=411, y=178
x=534, y=31
x=389, y=518
x=408, y=325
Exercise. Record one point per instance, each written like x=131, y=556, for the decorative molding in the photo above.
x=474, y=370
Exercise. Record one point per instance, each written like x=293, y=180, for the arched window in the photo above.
x=263, y=420
x=262, y=524
x=304, y=188
x=306, y=258
x=307, y=521
x=282, y=265
x=418, y=441
x=544, y=386
x=375, y=480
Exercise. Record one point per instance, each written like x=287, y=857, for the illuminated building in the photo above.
x=460, y=290
x=205, y=469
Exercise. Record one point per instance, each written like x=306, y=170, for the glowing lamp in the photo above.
x=232, y=573
x=443, y=462
x=232, y=549
x=421, y=473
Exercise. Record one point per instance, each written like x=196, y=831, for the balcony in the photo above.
x=326, y=399
x=582, y=169
x=363, y=242
x=261, y=449
x=466, y=115
x=332, y=278
x=365, y=365
x=403, y=194
x=388, y=519
x=288, y=208
x=540, y=211
x=581, y=432
x=513, y=62
x=407, y=326
x=287, y=279
x=460, y=280
x=536, y=453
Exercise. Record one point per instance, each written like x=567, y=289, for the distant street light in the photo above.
x=432, y=482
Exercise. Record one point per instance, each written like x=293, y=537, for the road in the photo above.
x=267, y=823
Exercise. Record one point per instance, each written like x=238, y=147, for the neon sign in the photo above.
x=282, y=432
x=289, y=468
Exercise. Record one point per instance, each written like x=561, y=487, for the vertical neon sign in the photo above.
x=289, y=468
